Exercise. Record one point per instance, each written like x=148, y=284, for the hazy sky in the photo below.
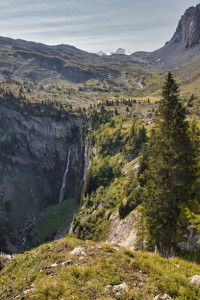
x=93, y=25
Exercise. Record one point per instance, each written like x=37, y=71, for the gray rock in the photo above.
x=177, y=266
x=67, y=262
x=28, y=291
x=78, y=251
x=120, y=287
x=6, y=256
x=108, y=286
x=124, y=232
x=81, y=258
x=54, y=265
x=165, y=297
x=195, y=280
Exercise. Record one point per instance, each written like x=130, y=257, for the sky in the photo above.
x=93, y=25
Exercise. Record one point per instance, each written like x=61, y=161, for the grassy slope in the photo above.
x=124, y=85
x=54, y=220
x=145, y=274
x=189, y=78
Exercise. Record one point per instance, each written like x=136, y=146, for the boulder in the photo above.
x=54, y=265
x=120, y=287
x=78, y=251
x=165, y=297
x=195, y=280
x=67, y=262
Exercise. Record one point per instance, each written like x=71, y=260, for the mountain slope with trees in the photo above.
x=171, y=169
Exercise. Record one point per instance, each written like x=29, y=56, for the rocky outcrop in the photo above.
x=124, y=231
x=184, y=46
x=33, y=159
x=191, y=239
x=188, y=30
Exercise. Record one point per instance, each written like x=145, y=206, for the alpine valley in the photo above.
x=81, y=160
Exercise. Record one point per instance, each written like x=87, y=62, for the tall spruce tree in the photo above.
x=170, y=172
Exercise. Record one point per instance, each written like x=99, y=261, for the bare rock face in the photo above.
x=188, y=30
x=124, y=231
x=33, y=157
x=184, y=46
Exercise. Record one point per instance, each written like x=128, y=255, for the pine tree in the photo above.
x=170, y=172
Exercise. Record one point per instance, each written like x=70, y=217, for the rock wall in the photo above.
x=124, y=231
x=33, y=156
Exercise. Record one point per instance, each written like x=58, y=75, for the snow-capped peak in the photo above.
x=119, y=51
x=101, y=53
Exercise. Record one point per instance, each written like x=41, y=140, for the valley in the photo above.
x=101, y=153
x=63, y=110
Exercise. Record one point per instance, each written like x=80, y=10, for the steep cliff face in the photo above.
x=184, y=46
x=188, y=30
x=33, y=157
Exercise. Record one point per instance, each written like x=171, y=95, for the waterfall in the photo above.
x=62, y=191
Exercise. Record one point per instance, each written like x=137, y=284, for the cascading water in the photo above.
x=62, y=191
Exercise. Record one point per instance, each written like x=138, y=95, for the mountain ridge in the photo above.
x=72, y=64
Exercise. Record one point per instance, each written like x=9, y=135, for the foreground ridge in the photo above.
x=72, y=269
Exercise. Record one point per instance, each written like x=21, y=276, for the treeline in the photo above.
x=127, y=102
x=43, y=108
x=109, y=134
x=97, y=118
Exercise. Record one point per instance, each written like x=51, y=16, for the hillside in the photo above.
x=38, y=62
x=73, y=269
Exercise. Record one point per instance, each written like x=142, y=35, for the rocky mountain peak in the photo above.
x=188, y=30
x=184, y=46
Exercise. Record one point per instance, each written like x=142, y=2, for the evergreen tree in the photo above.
x=170, y=172
x=89, y=183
